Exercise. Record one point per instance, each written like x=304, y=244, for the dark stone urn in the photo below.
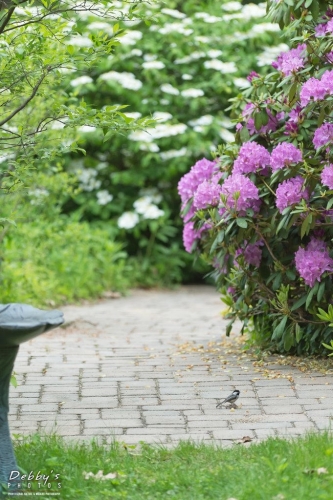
x=18, y=323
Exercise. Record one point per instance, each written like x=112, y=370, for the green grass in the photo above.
x=275, y=469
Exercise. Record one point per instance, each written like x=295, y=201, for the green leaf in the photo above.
x=330, y=347
x=278, y=331
x=321, y=116
x=321, y=291
x=277, y=281
x=108, y=135
x=283, y=222
x=306, y=225
x=310, y=295
x=219, y=238
x=299, y=303
x=228, y=328
x=241, y=222
x=314, y=9
x=258, y=120
x=291, y=275
x=323, y=315
x=298, y=333
x=244, y=134
x=288, y=340
x=13, y=381
x=292, y=91
x=264, y=117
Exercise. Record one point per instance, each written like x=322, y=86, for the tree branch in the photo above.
x=23, y=105
x=7, y=19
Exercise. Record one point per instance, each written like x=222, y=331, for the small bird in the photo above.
x=230, y=399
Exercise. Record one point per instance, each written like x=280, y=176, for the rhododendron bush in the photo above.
x=261, y=212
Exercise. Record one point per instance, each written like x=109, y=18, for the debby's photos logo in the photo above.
x=34, y=484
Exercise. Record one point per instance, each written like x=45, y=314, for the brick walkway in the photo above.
x=117, y=370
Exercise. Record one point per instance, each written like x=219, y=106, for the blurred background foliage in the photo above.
x=108, y=217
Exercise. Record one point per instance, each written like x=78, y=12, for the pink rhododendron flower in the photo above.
x=188, y=184
x=284, y=155
x=252, y=75
x=252, y=253
x=317, y=90
x=327, y=176
x=208, y=193
x=251, y=158
x=190, y=234
x=291, y=61
x=311, y=262
x=248, y=193
x=290, y=192
x=312, y=90
x=323, y=135
x=321, y=29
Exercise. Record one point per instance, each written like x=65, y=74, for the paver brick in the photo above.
x=113, y=422
x=231, y=434
x=129, y=369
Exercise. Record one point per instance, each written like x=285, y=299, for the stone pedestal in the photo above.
x=18, y=323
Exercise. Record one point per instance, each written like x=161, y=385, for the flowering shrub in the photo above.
x=266, y=224
x=181, y=70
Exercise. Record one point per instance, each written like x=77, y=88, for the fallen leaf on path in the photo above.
x=111, y=295
x=99, y=475
x=245, y=439
x=320, y=470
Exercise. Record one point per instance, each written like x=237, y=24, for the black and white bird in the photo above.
x=230, y=399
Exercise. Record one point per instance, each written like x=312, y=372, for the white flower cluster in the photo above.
x=223, y=67
x=242, y=83
x=161, y=130
x=133, y=114
x=131, y=37
x=173, y=153
x=151, y=147
x=259, y=29
x=81, y=80
x=86, y=129
x=101, y=26
x=192, y=93
x=162, y=116
x=153, y=65
x=128, y=220
x=193, y=57
x=125, y=79
x=252, y=10
x=173, y=13
x=207, y=18
x=80, y=41
x=203, y=121
x=145, y=206
x=38, y=195
x=104, y=197
x=169, y=89
x=231, y=6
x=87, y=178
x=178, y=27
